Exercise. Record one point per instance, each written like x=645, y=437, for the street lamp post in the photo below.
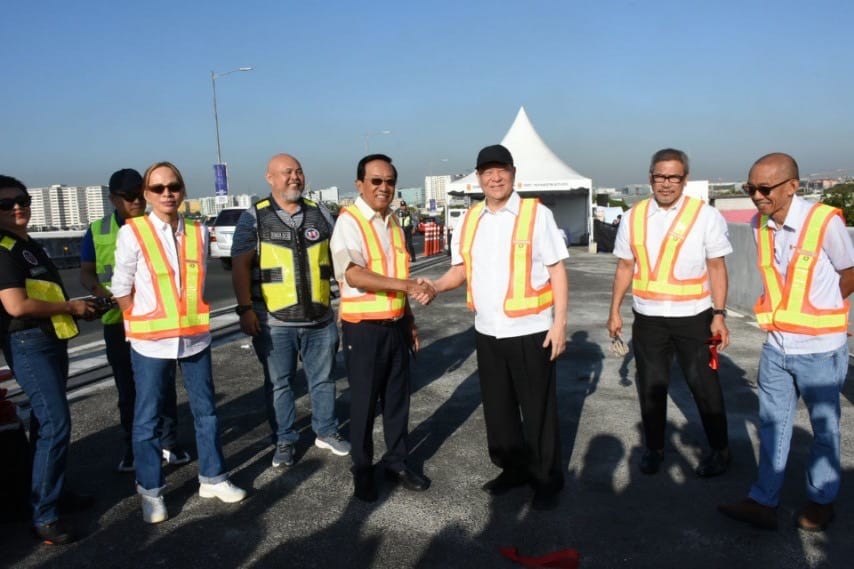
x=214, y=77
x=368, y=136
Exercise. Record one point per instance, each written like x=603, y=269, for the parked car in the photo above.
x=222, y=232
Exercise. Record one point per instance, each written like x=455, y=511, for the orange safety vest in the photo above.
x=660, y=282
x=787, y=308
x=521, y=299
x=384, y=304
x=176, y=314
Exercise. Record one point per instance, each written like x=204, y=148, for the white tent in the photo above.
x=540, y=173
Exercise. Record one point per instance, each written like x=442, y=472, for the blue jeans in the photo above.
x=40, y=365
x=818, y=378
x=153, y=378
x=277, y=348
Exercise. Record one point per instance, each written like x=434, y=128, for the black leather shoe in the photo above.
x=651, y=461
x=363, y=486
x=57, y=533
x=505, y=482
x=409, y=479
x=714, y=464
x=71, y=502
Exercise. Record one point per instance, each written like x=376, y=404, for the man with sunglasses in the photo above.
x=671, y=250
x=371, y=263
x=97, y=258
x=281, y=271
x=806, y=260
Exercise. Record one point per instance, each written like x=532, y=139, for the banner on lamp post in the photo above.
x=221, y=183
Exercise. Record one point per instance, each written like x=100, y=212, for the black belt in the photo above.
x=389, y=322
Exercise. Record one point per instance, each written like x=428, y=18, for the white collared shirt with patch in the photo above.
x=707, y=239
x=491, y=268
x=837, y=254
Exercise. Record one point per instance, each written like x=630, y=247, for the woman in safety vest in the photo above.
x=36, y=321
x=158, y=282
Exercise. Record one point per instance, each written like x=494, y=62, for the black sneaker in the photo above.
x=57, y=533
x=284, y=455
x=126, y=464
x=175, y=456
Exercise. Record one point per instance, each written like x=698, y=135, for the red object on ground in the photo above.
x=562, y=559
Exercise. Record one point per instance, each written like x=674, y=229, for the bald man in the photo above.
x=806, y=261
x=281, y=270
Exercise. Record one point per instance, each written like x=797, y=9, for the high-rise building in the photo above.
x=67, y=207
x=435, y=189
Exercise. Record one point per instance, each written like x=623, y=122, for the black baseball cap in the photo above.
x=495, y=154
x=125, y=181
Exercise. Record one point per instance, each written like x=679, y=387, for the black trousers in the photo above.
x=377, y=359
x=118, y=355
x=517, y=383
x=656, y=340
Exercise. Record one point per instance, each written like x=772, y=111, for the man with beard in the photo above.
x=280, y=271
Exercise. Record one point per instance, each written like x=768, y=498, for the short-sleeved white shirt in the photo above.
x=347, y=245
x=491, y=267
x=707, y=239
x=131, y=275
x=837, y=254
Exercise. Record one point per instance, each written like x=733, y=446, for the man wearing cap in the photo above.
x=671, y=250
x=510, y=254
x=280, y=271
x=806, y=260
x=97, y=257
x=378, y=328
x=404, y=217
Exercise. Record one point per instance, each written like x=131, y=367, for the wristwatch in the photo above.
x=242, y=309
x=721, y=311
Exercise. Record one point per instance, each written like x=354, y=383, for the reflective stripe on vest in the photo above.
x=521, y=299
x=660, y=282
x=788, y=308
x=63, y=324
x=383, y=304
x=294, y=260
x=175, y=315
x=105, y=231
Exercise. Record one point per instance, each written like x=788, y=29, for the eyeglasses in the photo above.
x=672, y=178
x=131, y=197
x=378, y=182
x=750, y=189
x=160, y=188
x=7, y=204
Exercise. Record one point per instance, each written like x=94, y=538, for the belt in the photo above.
x=389, y=322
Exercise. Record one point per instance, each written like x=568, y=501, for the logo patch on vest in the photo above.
x=30, y=258
x=280, y=235
x=312, y=234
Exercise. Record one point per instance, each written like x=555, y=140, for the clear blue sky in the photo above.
x=93, y=86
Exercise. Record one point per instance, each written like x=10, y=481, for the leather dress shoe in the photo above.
x=409, y=479
x=363, y=486
x=651, y=461
x=714, y=464
x=815, y=516
x=752, y=512
x=505, y=482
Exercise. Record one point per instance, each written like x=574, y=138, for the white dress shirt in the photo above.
x=131, y=276
x=837, y=254
x=490, y=255
x=707, y=239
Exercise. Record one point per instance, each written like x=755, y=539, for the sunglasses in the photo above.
x=378, y=182
x=160, y=188
x=7, y=204
x=130, y=197
x=750, y=189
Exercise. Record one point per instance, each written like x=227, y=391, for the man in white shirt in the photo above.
x=671, y=252
x=520, y=310
x=806, y=259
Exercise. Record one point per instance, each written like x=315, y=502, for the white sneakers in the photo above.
x=154, y=507
x=225, y=491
